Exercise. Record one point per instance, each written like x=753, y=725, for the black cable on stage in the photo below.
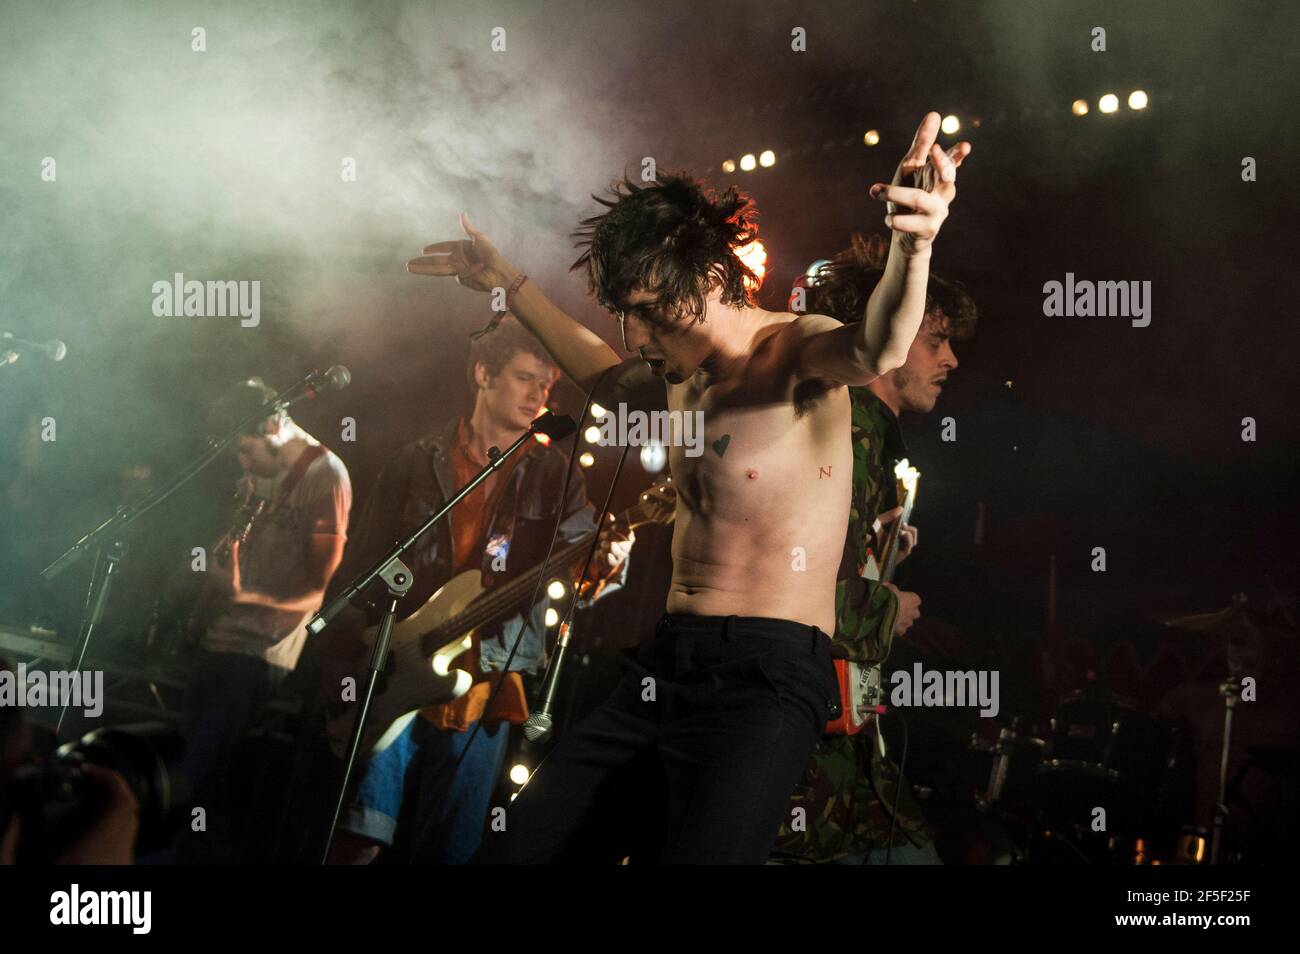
x=595, y=541
x=892, y=809
x=898, y=791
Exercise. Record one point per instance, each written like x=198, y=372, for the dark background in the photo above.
x=1072, y=433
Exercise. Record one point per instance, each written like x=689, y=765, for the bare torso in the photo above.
x=762, y=513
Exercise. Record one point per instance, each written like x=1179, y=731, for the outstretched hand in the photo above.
x=924, y=185
x=474, y=261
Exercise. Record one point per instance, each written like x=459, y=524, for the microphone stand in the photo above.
x=109, y=540
x=537, y=728
x=399, y=579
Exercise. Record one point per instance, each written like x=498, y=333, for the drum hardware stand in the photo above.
x=1231, y=692
x=998, y=775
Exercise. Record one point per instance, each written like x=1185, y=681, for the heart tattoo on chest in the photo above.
x=720, y=445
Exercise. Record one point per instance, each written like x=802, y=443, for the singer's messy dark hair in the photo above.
x=842, y=286
x=675, y=238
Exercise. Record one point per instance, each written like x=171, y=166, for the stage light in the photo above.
x=747, y=162
x=540, y=437
x=1137, y=99
x=591, y=434
x=555, y=589
x=654, y=457
x=552, y=617
x=871, y=137
x=519, y=774
x=597, y=410
x=813, y=274
x=586, y=458
x=1108, y=103
x=950, y=124
x=755, y=256
x=1079, y=107
x=767, y=158
x=729, y=165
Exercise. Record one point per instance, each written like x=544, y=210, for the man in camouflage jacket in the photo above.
x=842, y=811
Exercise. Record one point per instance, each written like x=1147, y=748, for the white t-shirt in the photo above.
x=274, y=561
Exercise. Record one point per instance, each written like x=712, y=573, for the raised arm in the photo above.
x=476, y=263
x=917, y=201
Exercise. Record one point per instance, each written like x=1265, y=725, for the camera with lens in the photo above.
x=57, y=802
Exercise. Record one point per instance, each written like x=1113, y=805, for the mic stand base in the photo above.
x=399, y=581
x=101, y=583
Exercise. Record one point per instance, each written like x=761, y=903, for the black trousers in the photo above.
x=712, y=725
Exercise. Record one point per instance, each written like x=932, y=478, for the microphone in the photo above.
x=316, y=383
x=336, y=378
x=538, y=727
x=55, y=350
x=555, y=426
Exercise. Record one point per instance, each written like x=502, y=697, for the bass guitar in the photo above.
x=425, y=645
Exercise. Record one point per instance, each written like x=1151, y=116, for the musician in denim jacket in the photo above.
x=502, y=529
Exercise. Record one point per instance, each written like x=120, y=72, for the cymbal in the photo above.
x=1230, y=623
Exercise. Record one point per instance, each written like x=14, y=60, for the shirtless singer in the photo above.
x=727, y=700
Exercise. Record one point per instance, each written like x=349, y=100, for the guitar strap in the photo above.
x=296, y=472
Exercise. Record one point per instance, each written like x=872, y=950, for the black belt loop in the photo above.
x=729, y=629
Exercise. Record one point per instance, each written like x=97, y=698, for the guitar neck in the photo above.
x=891, y=545
x=241, y=526
x=502, y=600
x=510, y=595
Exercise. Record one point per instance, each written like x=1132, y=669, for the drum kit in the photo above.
x=1105, y=782
x=1098, y=786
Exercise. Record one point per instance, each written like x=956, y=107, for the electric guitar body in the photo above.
x=424, y=647
x=861, y=686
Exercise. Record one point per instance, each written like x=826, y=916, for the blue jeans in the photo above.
x=224, y=701
x=450, y=810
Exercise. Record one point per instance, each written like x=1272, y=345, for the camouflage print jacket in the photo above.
x=845, y=810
